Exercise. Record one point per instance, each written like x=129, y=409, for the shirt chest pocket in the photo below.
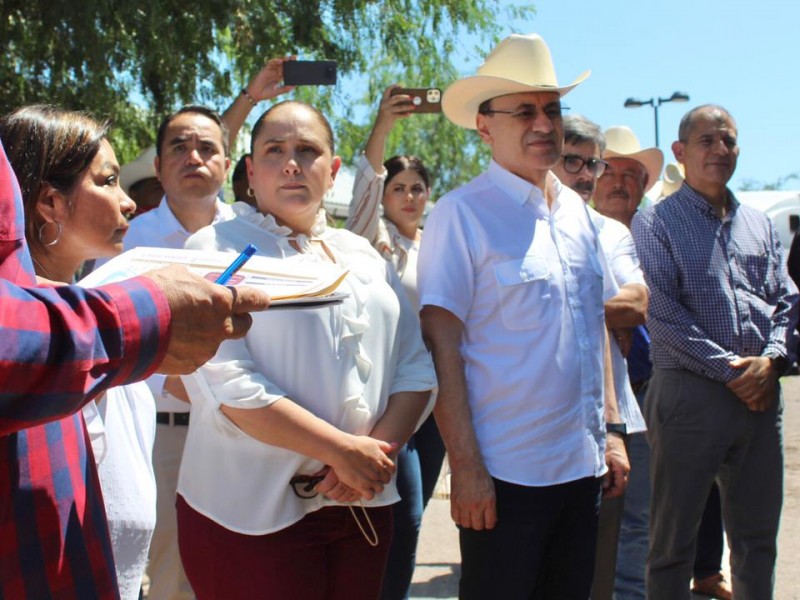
x=756, y=269
x=524, y=290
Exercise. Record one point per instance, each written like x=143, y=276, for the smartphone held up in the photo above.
x=425, y=100
x=309, y=72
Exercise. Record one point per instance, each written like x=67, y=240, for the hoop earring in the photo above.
x=58, y=233
x=251, y=193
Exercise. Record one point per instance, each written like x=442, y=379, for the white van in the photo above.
x=783, y=207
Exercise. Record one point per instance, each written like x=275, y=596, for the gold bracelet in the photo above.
x=247, y=95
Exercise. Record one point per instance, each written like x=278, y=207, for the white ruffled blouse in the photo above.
x=341, y=362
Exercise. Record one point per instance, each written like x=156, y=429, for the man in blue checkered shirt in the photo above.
x=722, y=311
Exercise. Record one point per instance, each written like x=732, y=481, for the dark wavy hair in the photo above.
x=48, y=146
x=404, y=162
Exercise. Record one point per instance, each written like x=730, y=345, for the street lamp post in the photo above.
x=655, y=103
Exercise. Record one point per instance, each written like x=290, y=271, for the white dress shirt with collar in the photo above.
x=159, y=228
x=617, y=243
x=527, y=281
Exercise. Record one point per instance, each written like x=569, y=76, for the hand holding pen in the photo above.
x=237, y=264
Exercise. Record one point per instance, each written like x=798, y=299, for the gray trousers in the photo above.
x=700, y=431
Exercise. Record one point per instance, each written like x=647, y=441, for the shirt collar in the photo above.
x=168, y=222
x=515, y=187
x=692, y=197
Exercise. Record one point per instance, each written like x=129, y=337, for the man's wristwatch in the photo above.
x=779, y=363
x=620, y=428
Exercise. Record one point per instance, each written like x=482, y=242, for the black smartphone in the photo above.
x=309, y=72
x=426, y=100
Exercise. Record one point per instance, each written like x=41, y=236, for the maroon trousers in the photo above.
x=324, y=556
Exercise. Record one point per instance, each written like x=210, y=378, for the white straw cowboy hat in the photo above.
x=672, y=179
x=519, y=63
x=136, y=170
x=622, y=142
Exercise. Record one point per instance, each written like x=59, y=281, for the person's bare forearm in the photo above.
x=400, y=420
x=235, y=116
x=611, y=409
x=453, y=416
x=361, y=462
x=628, y=308
x=265, y=85
x=286, y=424
x=375, y=149
x=472, y=494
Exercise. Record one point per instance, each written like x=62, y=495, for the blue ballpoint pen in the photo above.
x=236, y=264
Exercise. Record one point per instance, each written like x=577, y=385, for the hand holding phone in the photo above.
x=309, y=72
x=425, y=100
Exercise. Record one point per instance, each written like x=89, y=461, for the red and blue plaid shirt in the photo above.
x=59, y=347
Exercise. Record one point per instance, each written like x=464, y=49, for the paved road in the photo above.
x=438, y=560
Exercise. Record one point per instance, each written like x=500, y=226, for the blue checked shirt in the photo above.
x=719, y=288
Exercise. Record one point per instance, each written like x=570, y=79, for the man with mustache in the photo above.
x=630, y=172
x=721, y=316
x=582, y=156
x=511, y=278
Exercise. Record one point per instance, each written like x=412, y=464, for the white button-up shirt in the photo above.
x=617, y=243
x=341, y=362
x=527, y=281
x=159, y=228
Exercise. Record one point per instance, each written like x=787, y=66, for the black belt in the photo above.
x=172, y=418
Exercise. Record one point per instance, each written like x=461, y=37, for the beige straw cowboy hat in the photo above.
x=519, y=63
x=136, y=170
x=622, y=142
x=672, y=179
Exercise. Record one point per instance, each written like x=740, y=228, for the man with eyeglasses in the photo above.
x=580, y=166
x=721, y=321
x=581, y=158
x=512, y=282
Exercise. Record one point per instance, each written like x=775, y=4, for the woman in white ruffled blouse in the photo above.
x=287, y=475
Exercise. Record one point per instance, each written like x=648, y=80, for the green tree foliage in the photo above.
x=753, y=185
x=136, y=61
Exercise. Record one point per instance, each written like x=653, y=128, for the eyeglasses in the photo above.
x=574, y=163
x=528, y=112
x=303, y=485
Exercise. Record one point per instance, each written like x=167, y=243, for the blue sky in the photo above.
x=742, y=55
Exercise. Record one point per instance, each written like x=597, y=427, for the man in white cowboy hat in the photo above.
x=630, y=172
x=511, y=282
x=721, y=317
x=138, y=179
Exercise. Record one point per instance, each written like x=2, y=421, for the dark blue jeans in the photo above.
x=418, y=467
x=543, y=545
